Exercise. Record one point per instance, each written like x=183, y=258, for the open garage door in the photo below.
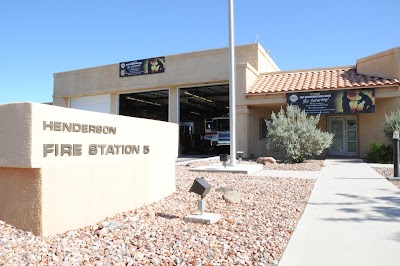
x=150, y=105
x=204, y=120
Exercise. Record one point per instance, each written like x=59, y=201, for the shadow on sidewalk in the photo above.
x=363, y=209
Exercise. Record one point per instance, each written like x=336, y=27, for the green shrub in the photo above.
x=379, y=153
x=296, y=134
x=392, y=123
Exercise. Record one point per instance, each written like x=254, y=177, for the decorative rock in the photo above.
x=232, y=196
x=223, y=189
x=266, y=160
x=102, y=232
x=110, y=225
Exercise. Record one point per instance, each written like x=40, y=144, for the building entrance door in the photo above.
x=345, y=140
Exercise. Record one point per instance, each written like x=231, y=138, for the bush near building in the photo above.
x=296, y=134
x=391, y=124
x=379, y=153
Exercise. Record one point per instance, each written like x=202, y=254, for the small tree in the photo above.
x=296, y=134
x=391, y=124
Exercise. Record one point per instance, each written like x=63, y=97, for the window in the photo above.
x=263, y=127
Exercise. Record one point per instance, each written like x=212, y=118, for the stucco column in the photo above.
x=243, y=130
x=173, y=107
x=114, y=104
x=60, y=101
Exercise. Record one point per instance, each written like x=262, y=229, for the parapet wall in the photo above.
x=61, y=169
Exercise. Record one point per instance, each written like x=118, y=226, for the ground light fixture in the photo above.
x=201, y=187
x=224, y=159
x=239, y=156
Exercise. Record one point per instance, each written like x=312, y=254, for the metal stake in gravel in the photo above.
x=202, y=188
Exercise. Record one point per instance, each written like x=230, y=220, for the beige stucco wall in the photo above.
x=258, y=145
x=15, y=153
x=21, y=198
x=75, y=191
x=384, y=64
x=370, y=125
x=182, y=70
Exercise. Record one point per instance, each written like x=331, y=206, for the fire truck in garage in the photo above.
x=216, y=134
x=212, y=137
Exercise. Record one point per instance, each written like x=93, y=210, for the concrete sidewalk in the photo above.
x=286, y=173
x=352, y=218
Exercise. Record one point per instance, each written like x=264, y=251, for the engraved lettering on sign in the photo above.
x=117, y=149
x=85, y=128
x=146, y=149
x=77, y=127
x=59, y=150
x=92, y=149
x=62, y=149
x=136, y=149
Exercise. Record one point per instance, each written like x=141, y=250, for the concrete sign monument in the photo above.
x=61, y=169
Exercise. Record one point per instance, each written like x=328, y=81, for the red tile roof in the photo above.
x=322, y=79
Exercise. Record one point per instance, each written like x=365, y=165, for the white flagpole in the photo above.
x=232, y=84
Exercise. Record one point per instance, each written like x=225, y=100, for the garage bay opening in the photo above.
x=204, y=120
x=149, y=104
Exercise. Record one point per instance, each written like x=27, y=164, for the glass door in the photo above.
x=336, y=126
x=351, y=133
x=344, y=141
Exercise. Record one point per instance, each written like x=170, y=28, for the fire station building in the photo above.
x=192, y=88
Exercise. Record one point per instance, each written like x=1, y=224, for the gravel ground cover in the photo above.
x=387, y=172
x=252, y=232
x=308, y=165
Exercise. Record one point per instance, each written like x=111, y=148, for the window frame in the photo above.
x=263, y=127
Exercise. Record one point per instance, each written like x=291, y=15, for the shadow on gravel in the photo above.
x=167, y=216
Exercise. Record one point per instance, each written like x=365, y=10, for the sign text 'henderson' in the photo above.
x=77, y=127
x=334, y=102
x=92, y=149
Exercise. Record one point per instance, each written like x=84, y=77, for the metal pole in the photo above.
x=232, y=86
x=396, y=153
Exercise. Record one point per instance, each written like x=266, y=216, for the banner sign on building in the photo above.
x=334, y=102
x=142, y=67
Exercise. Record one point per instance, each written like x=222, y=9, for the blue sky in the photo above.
x=39, y=38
